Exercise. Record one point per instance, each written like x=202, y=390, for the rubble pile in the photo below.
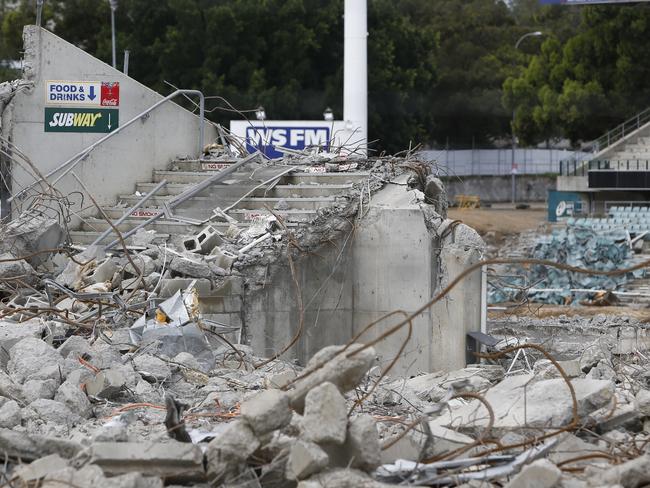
x=113, y=375
x=576, y=246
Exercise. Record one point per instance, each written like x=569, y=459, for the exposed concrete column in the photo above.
x=355, y=72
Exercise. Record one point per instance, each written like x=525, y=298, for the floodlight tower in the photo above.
x=355, y=72
x=113, y=9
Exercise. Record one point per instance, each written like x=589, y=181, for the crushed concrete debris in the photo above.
x=128, y=366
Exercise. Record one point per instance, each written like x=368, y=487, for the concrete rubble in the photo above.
x=113, y=374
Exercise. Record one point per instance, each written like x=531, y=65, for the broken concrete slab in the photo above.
x=344, y=370
x=174, y=461
x=30, y=447
x=267, y=411
x=305, y=459
x=40, y=468
x=341, y=478
x=631, y=474
x=91, y=475
x=519, y=403
x=326, y=415
x=539, y=474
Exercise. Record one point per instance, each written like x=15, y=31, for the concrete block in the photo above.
x=643, y=402
x=104, y=272
x=222, y=258
x=19, y=269
x=228, y=452
x=362, y=443
x=267, y=411
x=150, y=367
x=325, y=419
x=108, y=384
x=9, y=388
x=343, y=371
x=13, y=332
x=204, y=242
x=174, y=461
x=33, y=358
x=51, y=411
x=71, y=395
x=10, y=415
x=539, y=474
x=305, y=459
x=74, y=344
x=280, y=380
x=30, y=234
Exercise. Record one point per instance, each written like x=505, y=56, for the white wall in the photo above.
x=115, y=166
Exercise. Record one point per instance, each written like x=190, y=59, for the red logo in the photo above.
x=110, y=93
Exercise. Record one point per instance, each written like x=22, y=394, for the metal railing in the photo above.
x=620, y=131
x=70, y=164
x=581, y=168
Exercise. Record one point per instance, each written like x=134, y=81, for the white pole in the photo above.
x=355, y=73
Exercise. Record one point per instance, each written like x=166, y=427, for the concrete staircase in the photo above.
x=296, y=196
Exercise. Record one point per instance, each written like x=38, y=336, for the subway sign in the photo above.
x=267, y=139
x=98, y=120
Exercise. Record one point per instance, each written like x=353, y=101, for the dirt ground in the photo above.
x=500, y=221
x=541, y=311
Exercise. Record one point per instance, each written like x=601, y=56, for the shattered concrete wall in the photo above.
x=397, y=257
x=113, y=167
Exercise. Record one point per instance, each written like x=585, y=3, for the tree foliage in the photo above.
x=443, y=72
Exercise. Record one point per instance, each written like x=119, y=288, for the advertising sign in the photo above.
x=87, y=93
x=270, y=136
x=102, y=120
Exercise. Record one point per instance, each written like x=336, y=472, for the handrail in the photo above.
x=620, y=131
x=74, y=160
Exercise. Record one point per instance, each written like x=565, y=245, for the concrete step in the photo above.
x=307, y=203
x=85, y=237
x=162, y=226
x=236, y=191
x=195, y=177
x=242, y=214
x=201, y=165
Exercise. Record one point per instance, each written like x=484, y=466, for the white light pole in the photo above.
x=39, y=12
x=513, y=168
x=355, y=72
x=113, y=9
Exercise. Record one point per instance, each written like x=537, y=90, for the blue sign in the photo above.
x=267, y=139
